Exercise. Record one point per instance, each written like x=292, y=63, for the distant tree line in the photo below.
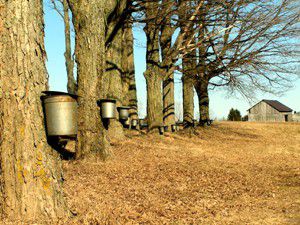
x=234, y=115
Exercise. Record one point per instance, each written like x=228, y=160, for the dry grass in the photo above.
x=230, y=173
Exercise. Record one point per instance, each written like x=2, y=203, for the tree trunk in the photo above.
x=114, y=70
x=72, y=85
x=89, y=23
x=202, y=81
x=129, y=84
x=154, y=91
x=168, y=76
x=153, y=72
x=189, y=72
x=201, y=87
x=188, y=99
x=30, y=171
x=188, y=78
x=154, y=99
x=168, y=99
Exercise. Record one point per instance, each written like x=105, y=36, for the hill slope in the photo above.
x=228, y=173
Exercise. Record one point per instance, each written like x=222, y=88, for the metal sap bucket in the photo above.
x=61, y=114
x=126, y=123
x=108, y=108
x=123, y=112
x=179, y=125
x=195, y=123
x=174, y=127
x=161, y=130
x=166, y=128
x=134, y=122
x=142, y=122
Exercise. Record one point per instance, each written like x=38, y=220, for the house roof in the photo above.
x=276, y=105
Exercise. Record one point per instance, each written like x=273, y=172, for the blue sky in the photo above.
x=220, y=102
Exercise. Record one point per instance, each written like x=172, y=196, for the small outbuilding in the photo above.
x=270, y=111
x=296, y=117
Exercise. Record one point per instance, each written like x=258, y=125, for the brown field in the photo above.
x=230, y=173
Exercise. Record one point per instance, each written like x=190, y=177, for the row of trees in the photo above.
x=233, y=43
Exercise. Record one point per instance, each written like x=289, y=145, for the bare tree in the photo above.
x=166, y=32
x=30, y=170
x=162, y=55
x=152, y=73
x=129, y=83
x=89, y=19
x=257, y=49
x=188, y=64
x=116, y=20
x=64, y=13
x=120, y=73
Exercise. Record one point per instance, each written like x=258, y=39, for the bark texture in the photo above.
x=202, y=81
x=30, y=171
x=167, y=68
x=201, y=87
x=114, y=67
x=153, y=72
x=129, y=84
x=72, y=84
x=89, y=23
x=154, y=98
x=168, y=99
x=188, y=77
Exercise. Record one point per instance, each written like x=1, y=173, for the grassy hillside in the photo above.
x=228, y=173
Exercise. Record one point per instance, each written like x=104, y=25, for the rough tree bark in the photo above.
x=114, y=69
x=202, y=81
x=153, y=72
x=129, y=84
x=168, y=99
x=201, y=87
x=188, y=64
x=30, y=171
x=168, y=76
x=89, y=23
x=154, y=98
x=72, y=85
